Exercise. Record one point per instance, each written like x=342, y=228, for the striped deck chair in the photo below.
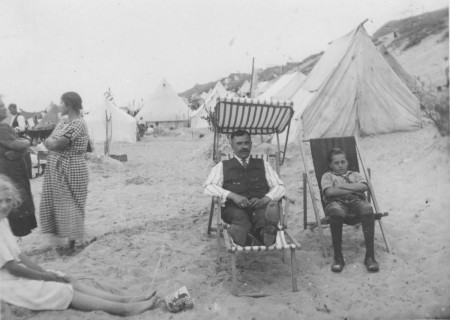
x=256, y=117
x=319, y=153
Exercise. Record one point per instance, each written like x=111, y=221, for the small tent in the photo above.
x=121, y=126
x=198, y=116
x=164, y=107
x=50, y=119
x=352, y=90
x=284, y=87
x=244, y=90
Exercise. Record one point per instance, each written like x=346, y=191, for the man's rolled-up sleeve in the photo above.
x=276, y=186
x=214, y=182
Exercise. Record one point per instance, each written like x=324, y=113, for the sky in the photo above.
x=48, y=47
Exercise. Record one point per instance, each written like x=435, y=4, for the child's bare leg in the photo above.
x=85, y=302
x=91, y=291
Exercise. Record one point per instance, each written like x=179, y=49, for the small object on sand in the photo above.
x=179, y=300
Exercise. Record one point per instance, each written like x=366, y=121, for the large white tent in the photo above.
x=164, y=105
x=198, y=117
x=109, y=119
x=352, y=90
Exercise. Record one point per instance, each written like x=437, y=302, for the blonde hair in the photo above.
x=11, y=190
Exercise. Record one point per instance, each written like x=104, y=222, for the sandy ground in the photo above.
x=152, y=208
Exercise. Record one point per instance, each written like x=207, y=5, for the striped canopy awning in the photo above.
x=253, y=115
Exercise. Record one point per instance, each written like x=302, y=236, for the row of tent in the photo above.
x=354, y=89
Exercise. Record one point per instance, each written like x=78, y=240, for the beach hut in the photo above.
x=352, y=90
x=164, y=108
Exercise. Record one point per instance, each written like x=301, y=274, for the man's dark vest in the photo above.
x=15, y=123
x=249, y=182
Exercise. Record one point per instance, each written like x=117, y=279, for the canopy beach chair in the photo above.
x=256, y=117
x=319, y=154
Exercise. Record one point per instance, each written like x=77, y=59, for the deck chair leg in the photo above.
x=211, y=214
x=384, y=236
x=219, y=230
x=294, y=271
x=234, y=272
x=305, y=202
x=283, y=255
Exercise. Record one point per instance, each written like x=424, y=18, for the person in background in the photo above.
x=13, y=151
x=18, y=121
x=64, y=190
x=26, y=284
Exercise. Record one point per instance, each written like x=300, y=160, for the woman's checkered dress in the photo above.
x=65, y=183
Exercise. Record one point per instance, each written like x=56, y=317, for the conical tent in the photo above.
x=199, y=115
x=244, y=89
x=121, y=126
x=164, y=106
x=352, y=90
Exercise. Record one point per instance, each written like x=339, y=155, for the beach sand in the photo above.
x=149, y=216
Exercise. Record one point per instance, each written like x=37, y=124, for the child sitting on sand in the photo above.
x=343, y=193
x=26, y=284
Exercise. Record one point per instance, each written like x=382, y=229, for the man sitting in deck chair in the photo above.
x=247, y=187
x=343, y=193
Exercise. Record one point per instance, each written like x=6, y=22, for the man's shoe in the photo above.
x=272, y=213
x=269, y=235
x=338, y=264
x=371, y=264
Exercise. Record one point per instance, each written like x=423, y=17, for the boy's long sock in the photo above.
x=336, y=235
x=368, y=226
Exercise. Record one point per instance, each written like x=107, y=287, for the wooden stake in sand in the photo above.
x=157, y=266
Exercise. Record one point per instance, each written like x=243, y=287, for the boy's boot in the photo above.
x=336, y=223
x=368, y=226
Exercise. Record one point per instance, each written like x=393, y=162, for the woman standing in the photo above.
x=66, y=176
x=13, y=164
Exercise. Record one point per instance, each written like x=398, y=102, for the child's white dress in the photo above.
x=26, y=293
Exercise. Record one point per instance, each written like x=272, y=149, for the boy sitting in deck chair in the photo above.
x=343, y=193
x=248, y=189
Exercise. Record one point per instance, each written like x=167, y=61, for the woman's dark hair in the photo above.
x=73, y=100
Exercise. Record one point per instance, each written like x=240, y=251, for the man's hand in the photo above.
x=256, y=203
x=241, y=201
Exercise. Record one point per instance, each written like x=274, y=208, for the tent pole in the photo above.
x=311, y=191
x=251, y=80
x=369, y=183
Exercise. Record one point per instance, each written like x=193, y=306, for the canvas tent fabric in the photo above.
x=244, y=89
x=412, y=83
x=198, y=117
x=50, y=119
x=163, y=105
x=284, y=87
x=122, y=127
x=352, y=90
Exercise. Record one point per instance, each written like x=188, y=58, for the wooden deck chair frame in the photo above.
x=256, y=117
x=320, y=148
